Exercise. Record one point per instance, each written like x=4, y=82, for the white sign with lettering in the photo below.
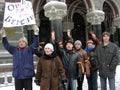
x=18, y=14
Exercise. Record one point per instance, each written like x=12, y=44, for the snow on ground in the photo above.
x=85, y=87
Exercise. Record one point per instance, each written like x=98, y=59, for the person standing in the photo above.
x=23, y=66
x=49, y=65
x=107, y=58
x=85, y=62
x=90, y=49
x=70, y=60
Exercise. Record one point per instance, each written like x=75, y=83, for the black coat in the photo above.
x=70, y=60
x=107, y=58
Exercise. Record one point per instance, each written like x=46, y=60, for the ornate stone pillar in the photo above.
x=117, y=25
x=55, y=11
x=95, y=17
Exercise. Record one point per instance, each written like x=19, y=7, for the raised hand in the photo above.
x=2, y=31
x=36, y=29
x=93, y=35
x=68, y=32
x=53, y=35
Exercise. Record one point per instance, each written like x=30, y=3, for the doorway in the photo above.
x=45, y=28
x=78, y=32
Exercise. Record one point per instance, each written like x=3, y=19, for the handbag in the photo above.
x=61, y=85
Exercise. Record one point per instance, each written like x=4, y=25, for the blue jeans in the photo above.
x=103, y=82
x=92, y=81
x=72, y=84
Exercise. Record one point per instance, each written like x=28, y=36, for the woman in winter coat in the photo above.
x=23, y=66
x=47, y=69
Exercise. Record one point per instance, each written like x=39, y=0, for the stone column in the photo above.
x=95, y=17
x=117, y=24
x=55, y=11
x=30, y=35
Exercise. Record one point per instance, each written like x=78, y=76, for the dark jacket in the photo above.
x=107, y=57
x=47, y=71
x=23, y=66
x=70, y=60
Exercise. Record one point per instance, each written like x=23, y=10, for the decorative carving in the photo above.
x=95, y=17
x=55, y=10
x=117, y=22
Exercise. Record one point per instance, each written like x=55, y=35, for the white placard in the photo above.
x=18, y=14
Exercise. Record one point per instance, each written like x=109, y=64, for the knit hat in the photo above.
x=105, y=33
x=50, y=46
x=24, y=39
x=78, y=42
x=89, y=41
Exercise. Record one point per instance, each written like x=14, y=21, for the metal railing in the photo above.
x=6, y=63
x=5, y=76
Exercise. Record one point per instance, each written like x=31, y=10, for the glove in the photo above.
x=37, y=82
x=2, y=31
x=36, y=29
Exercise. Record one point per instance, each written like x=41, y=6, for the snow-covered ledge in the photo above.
x=55, y=10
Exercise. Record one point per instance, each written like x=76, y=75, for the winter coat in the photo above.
x=91, y=53
x=107, y=57
x=70, y=61
x=47, y=72
x=23, y=66
x=85, y=61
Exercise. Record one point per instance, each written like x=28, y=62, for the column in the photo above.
x=95, y=17
x=55, y=11
x=30, y=35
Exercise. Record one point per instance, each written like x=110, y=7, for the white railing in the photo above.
x=5, y=76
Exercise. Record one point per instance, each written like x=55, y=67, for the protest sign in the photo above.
x=18, y=14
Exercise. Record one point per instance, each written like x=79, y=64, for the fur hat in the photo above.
x=68, y=41
x=24, y=39
x=78, y=42
x=50, y=46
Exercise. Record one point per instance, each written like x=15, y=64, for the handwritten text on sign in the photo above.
x=18, y=14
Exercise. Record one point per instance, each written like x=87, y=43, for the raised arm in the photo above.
x=7, y=46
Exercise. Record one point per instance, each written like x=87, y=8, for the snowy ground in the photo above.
x=117, y=82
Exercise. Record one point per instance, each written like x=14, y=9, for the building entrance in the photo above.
x=78, y=32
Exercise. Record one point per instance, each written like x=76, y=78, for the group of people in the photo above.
x=65, y=61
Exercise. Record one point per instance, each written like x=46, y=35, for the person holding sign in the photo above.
x=23, y=66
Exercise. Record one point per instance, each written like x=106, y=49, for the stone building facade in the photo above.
x=82, y=16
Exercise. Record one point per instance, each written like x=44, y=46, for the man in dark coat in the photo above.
x=23, y=66
x=107, y=57
x=70, y=60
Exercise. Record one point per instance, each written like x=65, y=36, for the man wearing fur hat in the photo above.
x=107, y=57
x=70, y=60
x=23, y=66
